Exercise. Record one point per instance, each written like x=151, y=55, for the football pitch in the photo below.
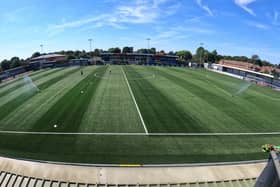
x=136, y=115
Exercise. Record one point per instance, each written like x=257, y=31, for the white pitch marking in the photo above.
x=132, y=95
x=139, y=134
x=133, y=79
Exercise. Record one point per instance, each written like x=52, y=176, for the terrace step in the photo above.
x=8, y=179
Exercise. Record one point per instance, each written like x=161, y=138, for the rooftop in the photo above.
x=48, y=56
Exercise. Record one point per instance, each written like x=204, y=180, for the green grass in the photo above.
x=171, y=100
x=111, y=108
x=20, y=82
x=28, y=93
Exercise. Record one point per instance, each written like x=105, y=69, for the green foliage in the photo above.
x=36, y=54
x=152, y=50
x=147, y=51
x=127, y=50
x=184, y=55
x=12, y=63
x=5, y=64
x=114, y=50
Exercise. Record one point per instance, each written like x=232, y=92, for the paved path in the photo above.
x=131, y=175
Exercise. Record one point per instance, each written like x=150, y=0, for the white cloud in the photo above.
x=273, y=18
x=15, y=15
x=244, y=5
x=182, y=32
x=257, y=25
x=135, y=14
x=79, y=23
x=205, y=8
x=140, y=12
x=276, y=18
x=167, y=34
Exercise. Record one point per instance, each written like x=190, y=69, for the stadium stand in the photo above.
x=259, y=78
x=138, y=58
x=10, y=179
x=24, y=173
x=12, y=73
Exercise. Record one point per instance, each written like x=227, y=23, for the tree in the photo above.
x=152, y=50
x=36, y=54
x=5, y=64
x=215, y=56
x=114, y=50
x=199, y=55
x=171, y=53
x=97, y=52
x=162, y=52
x=70, y=57
x=211, y=58
x=255, y=57
x=205, y=57
x=145, y=51
x=127, y=50
x=184, y=55
x=256, y=60
x=15, y=62
x=84, y=54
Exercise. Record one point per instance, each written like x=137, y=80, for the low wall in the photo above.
x=131, y=175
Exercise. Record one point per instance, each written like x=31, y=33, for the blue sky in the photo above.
x=233, y=27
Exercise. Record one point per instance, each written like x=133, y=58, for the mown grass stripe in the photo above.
x=17, y=86
x=13, y=81
x=161, y=114
x=136, y=105
x=112, y=98
x=25, y=116
x=228, y=105
x=31, y=75
x=46, y=84
x=68, y=112
x=26, y=95
x=10, y=82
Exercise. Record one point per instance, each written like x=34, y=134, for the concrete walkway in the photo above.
x=131, y=175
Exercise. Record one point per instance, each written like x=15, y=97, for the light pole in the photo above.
x=148, y=50
x=90, y=44
x=201, y=45
x=148, y=42
x=42, y=48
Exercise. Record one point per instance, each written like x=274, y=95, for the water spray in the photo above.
x=29, y=85
x=242, y=88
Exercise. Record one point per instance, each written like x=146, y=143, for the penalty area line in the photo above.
x=134, y=100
